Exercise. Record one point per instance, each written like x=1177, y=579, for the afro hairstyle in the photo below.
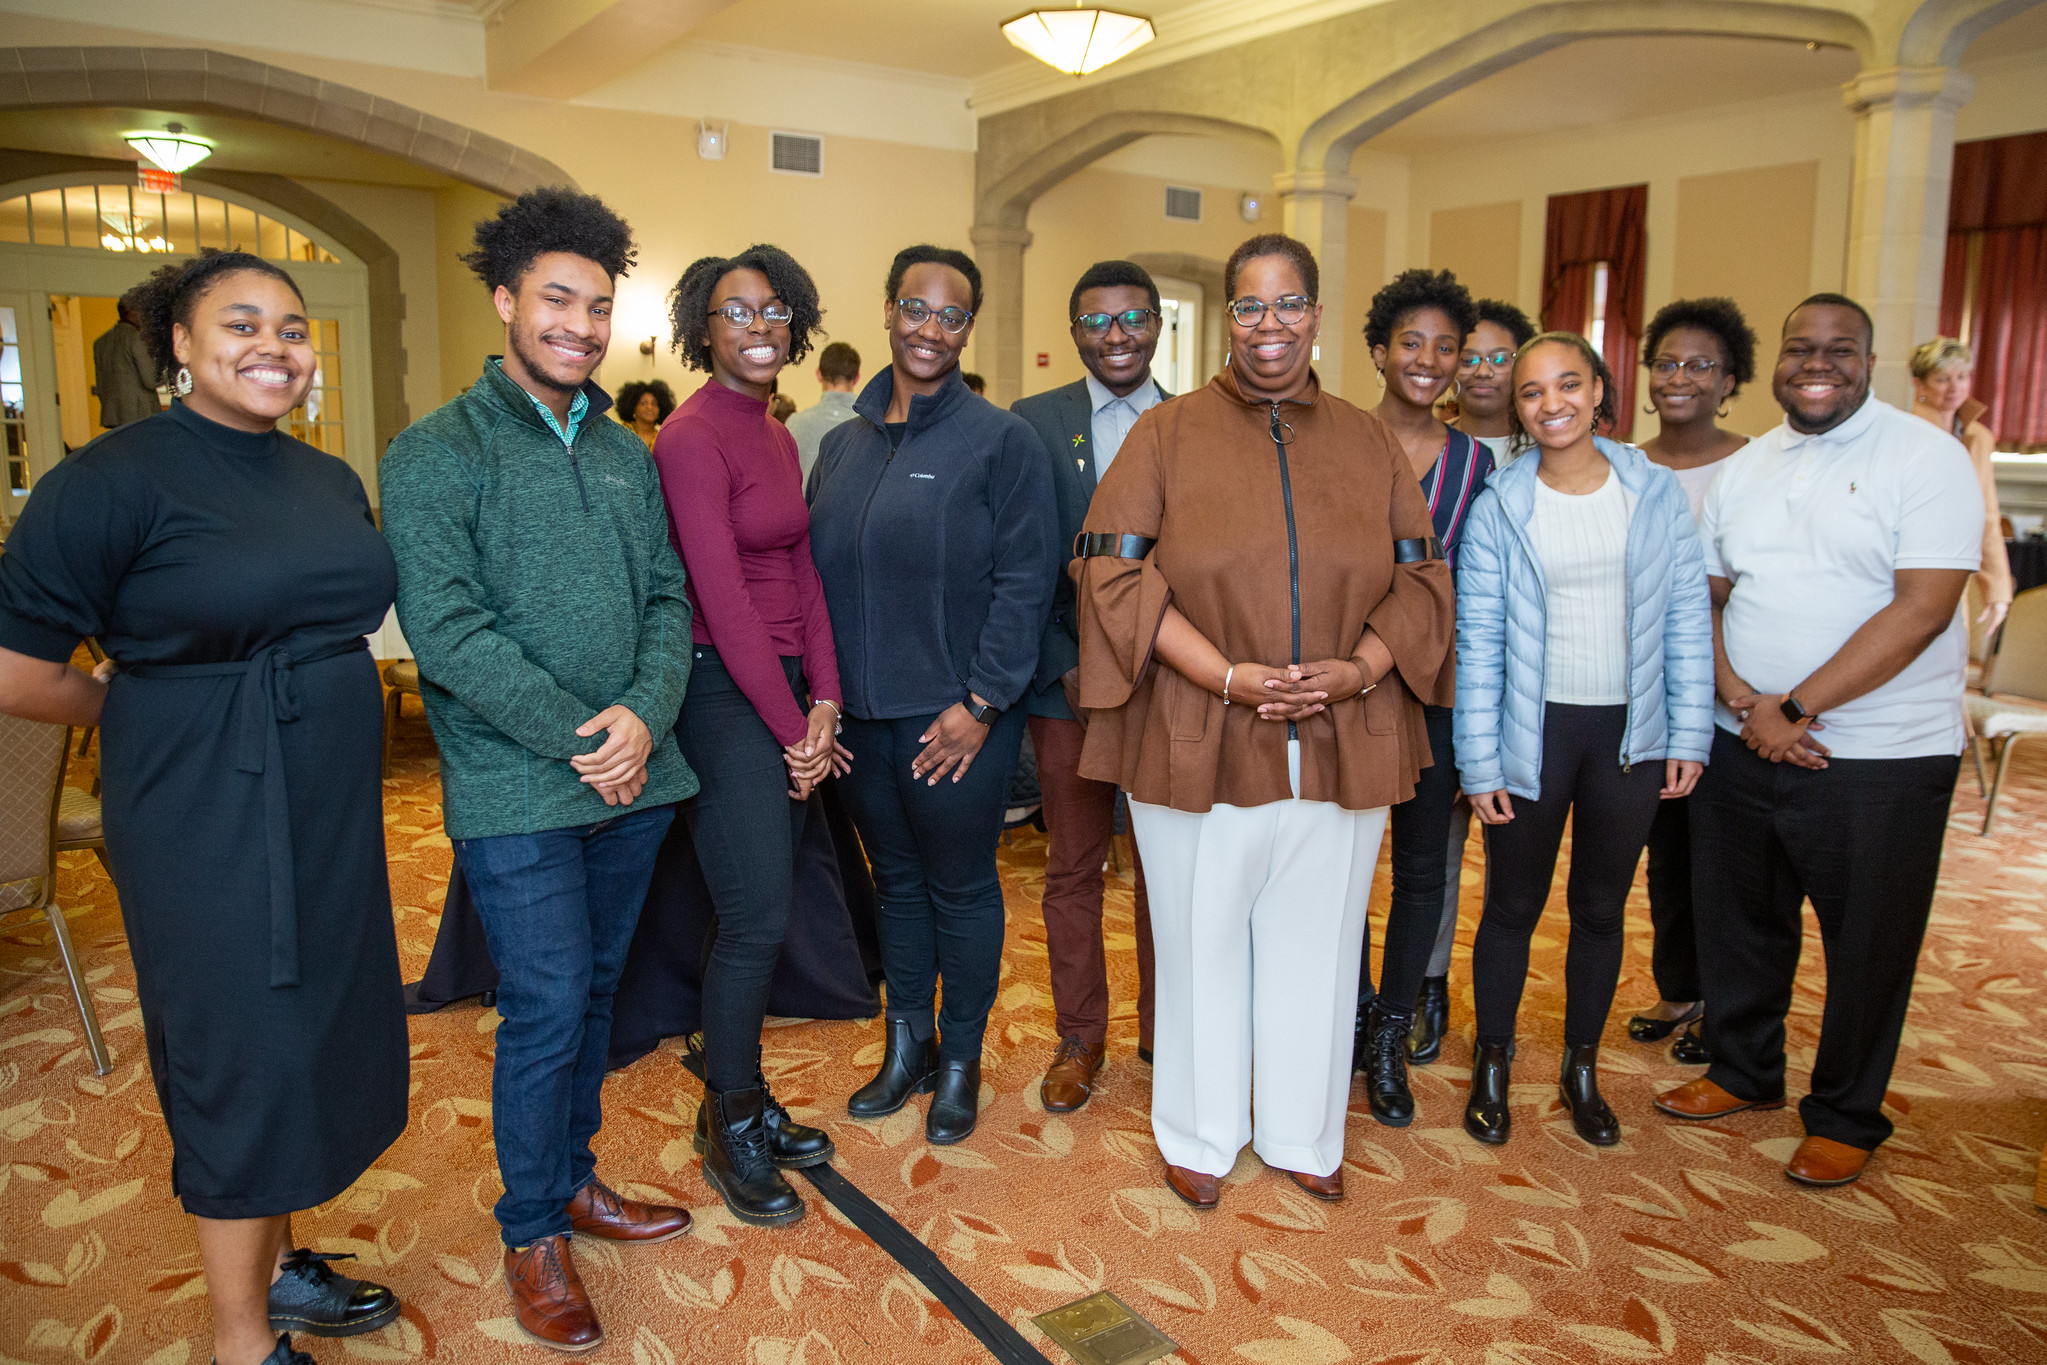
x=690, y=302
x=1721, y=318
x=551, y=218
x=1413, y=290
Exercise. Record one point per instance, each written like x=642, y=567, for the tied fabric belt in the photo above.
x=267, y=697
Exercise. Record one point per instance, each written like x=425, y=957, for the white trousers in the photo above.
x=1258, y=919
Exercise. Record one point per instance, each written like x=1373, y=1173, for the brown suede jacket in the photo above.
x=1201, y=474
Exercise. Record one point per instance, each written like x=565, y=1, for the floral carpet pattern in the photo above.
x=1685, y=1243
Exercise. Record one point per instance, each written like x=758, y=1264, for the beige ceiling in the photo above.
x=240, y=144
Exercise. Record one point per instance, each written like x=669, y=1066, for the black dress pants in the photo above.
x=1610, y=809
x=1420, y=827
x=746, y=831
x=1862, y=839
x=1674, y=958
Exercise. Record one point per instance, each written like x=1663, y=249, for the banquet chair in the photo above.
x=2016, y=675
x=400, y=677
x=39, y=816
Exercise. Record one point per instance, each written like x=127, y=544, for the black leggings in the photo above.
x=1420, y=827
x=746, y=831
x=1675, y=957
x=1610, y=809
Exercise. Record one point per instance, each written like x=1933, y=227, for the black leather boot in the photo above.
x=1580, y=1088
x=737, y=1165
x=1361, y=1038
x=1386, y=1068
x=1485, y=1114
x=283, y=1354
x=309, y=1297
x=955, y=1103
x=907, y=1068
x=790, y=1144
x=1431, y=1021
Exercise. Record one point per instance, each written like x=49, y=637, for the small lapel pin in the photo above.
x=1851, y=485
x=1079, y=441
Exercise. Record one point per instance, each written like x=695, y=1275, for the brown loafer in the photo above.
x=1328, y=1188
x=548, y=1299
x=1823, y=1161
x=598, y=1211
x=1071, y=1078
x=1199, y=1189
x=1701, y=1099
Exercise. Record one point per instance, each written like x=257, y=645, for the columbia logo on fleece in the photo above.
x=923, y=476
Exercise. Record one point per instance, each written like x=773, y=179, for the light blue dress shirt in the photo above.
x=1113, y=417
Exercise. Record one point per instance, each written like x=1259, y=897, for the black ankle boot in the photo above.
x=907, y=1067
x=1580, y=1088
x=1386, y=1068
x=1485, y=1114
x=1431, y=1021
x=955, y=1103
x=309, y=1297
x=790, y=1144
x=283, y=1354
x=737, y=1164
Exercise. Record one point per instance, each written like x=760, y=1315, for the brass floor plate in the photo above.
x=1101, y=1329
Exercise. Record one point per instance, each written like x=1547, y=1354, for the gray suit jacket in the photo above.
x=124, y=376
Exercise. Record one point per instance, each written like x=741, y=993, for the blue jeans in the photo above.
x=558, y=910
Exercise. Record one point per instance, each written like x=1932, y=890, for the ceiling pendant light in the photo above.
x=1078, y=40
x=173, y=149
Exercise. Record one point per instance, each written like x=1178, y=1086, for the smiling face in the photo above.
x=1556, y=395
x=1945, y=390
x=1421, y=358
x=925, y=354
x=558, y=322
x=648, y=410
x=1483, y=387
x=1119, y=358
x=746, y=358
x=1822, y=372
x=249, y=350
x=1681, y=397
x=1270, y=359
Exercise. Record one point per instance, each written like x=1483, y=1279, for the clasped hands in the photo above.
x=1296, y=691
x=818, y=754
x=618, y=767
x=1765, y=729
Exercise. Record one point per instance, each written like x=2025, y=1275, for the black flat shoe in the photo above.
x=309, y=1297
x=1486, y=1116
x=283, y=1355
x=907, y=1068
x=955, y=1103
x=1690, y=1049
x=1643, y=1029
x=1579, y=1085
x=1386, y=1086
x=1431, y=1021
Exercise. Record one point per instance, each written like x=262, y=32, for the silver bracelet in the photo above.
x=1231, y=672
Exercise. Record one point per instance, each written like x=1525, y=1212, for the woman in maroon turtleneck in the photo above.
x=759, y=721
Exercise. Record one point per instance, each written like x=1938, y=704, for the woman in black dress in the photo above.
x=231, y=573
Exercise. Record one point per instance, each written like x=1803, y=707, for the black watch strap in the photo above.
x=1793, y=712
x=983, y=712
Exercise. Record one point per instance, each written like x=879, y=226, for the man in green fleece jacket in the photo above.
x=539, y=591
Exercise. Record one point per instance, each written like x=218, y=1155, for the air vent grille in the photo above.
x=798, y=154
x=1183, y=203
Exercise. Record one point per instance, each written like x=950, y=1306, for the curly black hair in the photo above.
x=926, y=254
x=1413, y=290
x=169, y=295
x=1720, y=317
x=1603, y=415
x=689, y=303
x=629, y=397
x=1272, y=244
x=551, y=218
x=1508, y=319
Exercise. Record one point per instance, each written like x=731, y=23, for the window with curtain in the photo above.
x=1593, y=257
x=1994, y=284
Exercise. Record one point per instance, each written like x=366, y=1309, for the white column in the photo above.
x=1316, y=206
x=998, y=328
x=1898, y=207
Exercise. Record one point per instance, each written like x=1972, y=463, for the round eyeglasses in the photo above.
x=917, y=312
x=1287, y=310
x=1499, y=360
x=1663, y=367
x=1136, y=321
x=739, y=315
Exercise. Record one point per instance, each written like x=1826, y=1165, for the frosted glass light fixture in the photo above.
x=173, y=149
x=1078, y=40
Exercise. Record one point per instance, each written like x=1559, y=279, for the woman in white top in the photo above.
x=1699, y=353
x=1584, y=693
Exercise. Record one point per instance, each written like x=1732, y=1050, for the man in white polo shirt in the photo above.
x=1837, y=547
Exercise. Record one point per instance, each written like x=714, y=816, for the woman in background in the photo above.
x=644, y=405
x=1943, y=371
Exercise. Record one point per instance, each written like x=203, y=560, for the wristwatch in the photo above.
x=1793, y=712
x=983, y=712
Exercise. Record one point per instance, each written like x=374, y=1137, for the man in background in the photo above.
x=838, y=373
x=123, y=374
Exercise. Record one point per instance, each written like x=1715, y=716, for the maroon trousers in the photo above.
x=1080, y=816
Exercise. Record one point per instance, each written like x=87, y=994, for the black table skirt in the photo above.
x=830, y=962
x=2028, y=557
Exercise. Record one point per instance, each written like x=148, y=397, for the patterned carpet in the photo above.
x=1683, y=1244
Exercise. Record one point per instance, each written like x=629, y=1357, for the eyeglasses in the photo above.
x=1499, y=360
x=739, y=315
x=1136, y=321
x=1663, y=367
x=917, y=313
x=1287, y=310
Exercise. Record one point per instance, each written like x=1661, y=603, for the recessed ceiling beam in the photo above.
x=564, y=48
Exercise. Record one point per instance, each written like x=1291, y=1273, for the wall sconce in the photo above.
x=711, y=140
x=1249, y=206
x=647, y=348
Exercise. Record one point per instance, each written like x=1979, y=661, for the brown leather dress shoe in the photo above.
x=1328, y=1188
x=1201, y=1190
x=598, y=1211
x=1071, y=1078
x=1823, y=1161
x=548, y=1299
x=1701, y=1099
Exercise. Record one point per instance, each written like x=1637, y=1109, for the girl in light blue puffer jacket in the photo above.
x=1584, y=692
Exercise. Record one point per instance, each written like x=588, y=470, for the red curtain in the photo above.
x=1999, y=199
x=1600, y=225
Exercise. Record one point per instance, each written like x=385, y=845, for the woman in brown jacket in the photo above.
x=1262, y=612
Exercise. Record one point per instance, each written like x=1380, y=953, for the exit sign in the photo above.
x=1044, y=360
x=156, y=181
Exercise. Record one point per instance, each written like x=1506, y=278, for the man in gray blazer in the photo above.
x=1115, y=316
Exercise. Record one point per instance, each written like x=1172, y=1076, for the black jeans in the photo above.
x=746, y=831
x=938, y=896
x=1674, y=957
x=1862, y=838
x=1610, y=809
x=1420, y=829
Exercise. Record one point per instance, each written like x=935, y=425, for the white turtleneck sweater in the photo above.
x=1582, y=541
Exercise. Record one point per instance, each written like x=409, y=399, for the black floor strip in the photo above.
x=1004, y=1342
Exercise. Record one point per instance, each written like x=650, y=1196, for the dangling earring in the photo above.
x=1722, y=413
x=182, y=384
x=1382, y=378
x=1648, y=409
